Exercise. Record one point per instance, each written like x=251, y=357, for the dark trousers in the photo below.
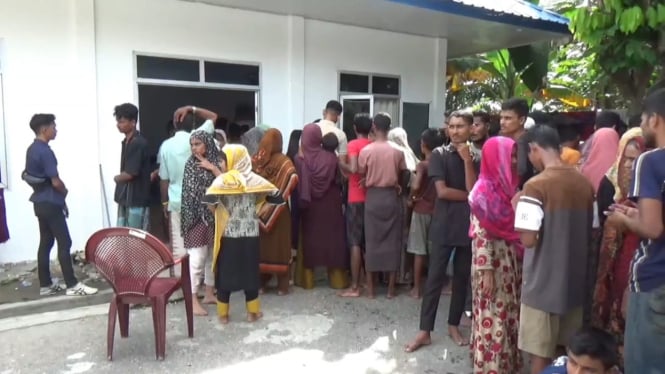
x=436, y=277
x=53, y=227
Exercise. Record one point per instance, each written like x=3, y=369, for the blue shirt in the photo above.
x=172, y=157
x=648, y=265
x=40, y=162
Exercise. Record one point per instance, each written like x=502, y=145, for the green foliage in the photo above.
x=625, y=40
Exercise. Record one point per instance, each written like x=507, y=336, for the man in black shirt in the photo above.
x=454, y=172
x=132, y=190
x=514, y=114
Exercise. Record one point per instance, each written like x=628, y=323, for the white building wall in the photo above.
x=75, y=58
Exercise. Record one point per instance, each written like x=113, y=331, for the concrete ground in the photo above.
x=305, y=332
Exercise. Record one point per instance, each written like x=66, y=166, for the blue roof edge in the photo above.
x=549, y=21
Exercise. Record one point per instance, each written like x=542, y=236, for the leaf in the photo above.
x=532, y=61
x=661, y=13
x=652, y=17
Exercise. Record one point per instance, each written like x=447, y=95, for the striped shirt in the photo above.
x=648, y=265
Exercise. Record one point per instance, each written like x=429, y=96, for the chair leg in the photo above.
x=123, y=318
x=187, y=294
x=159, y=322
x=110, y=335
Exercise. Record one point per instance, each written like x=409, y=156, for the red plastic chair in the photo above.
x=130, y=260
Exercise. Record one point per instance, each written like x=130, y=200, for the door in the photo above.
x=415, y=121
x=352, y=105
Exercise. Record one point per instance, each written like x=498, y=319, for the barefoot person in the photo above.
x=197, y=222
x=454, y=172
x=275, y=220
x=423, y=196
x=355, y=209
x=234, y=196
x=383, y=167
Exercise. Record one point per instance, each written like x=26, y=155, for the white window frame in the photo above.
x=343, y=97
x=4, y=181
x=360, y=95
x=201, y=83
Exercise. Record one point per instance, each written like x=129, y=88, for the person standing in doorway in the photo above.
x=132, y=189
x=173, y=156
x=383, y=167
x=554, y=216
x=480, y=130
x=454, y=172
x=355, y=208
x=329, y=125
x=48, y=198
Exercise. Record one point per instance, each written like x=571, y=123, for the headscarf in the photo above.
x=270, y=163
x=397, y=139
x=238, y=180
x=490, y=199
x=316, y=167
x=602, y=153
x=194, y=183
x=251, y=139
x=617, y=175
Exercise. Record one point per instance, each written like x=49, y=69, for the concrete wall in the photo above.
x=75, y=58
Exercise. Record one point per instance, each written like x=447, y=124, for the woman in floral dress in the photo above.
x=496, y=269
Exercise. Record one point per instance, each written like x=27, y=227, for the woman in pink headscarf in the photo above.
x=496, y=270
x=602, y=154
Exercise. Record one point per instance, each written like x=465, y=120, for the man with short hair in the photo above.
x=645, y=321
x=454, y=172
x=480, y=130
x=514, y=114
x=355, y=208
x=589, y=351
x=329, y=125
x=554, y=216
x=48, y=198
x=132, y=190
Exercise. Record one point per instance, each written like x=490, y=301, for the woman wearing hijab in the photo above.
x=617, y=246
x=201, y=168
x=251, y=139
x=322, y=223
x=234, y=196
x=602, y=154
x=496, y=271
x=397, y=138
x=275, y=221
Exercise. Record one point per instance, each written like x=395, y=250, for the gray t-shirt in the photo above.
x=558, y=204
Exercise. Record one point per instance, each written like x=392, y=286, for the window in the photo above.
x=167, y=68
x=220, y=72
x=385, y=85
x=354, y=83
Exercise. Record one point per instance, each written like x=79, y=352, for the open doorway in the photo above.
x=156, y=106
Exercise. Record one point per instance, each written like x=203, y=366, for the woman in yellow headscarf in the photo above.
x=235, y=196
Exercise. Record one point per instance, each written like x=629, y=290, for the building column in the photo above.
x=439, y=94
x=296, y=74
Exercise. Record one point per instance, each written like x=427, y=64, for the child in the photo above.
x=589, y=351
x=423, y=196
x=330, y=142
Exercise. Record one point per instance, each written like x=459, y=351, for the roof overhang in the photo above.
x=469, y=27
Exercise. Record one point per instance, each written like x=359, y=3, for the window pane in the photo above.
x=353, y=83
x=385, y=86
x=167, y=68
x=219, y=72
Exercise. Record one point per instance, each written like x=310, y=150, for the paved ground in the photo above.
x=306, y=332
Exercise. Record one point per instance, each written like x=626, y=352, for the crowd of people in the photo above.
x=549, y=237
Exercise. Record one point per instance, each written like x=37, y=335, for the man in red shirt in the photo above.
x=355, y=209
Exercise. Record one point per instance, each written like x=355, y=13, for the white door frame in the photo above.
x=356, y=97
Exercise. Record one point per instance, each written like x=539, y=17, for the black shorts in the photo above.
x=355, y=224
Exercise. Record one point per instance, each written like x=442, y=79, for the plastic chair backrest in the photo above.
x=129, y=259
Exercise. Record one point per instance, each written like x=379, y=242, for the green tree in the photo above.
x=625, y=40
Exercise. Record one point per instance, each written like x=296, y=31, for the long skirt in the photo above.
x=237, y=266
x=495, y=319
x=322, y=225
x=276, y=244
x=383, y=230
